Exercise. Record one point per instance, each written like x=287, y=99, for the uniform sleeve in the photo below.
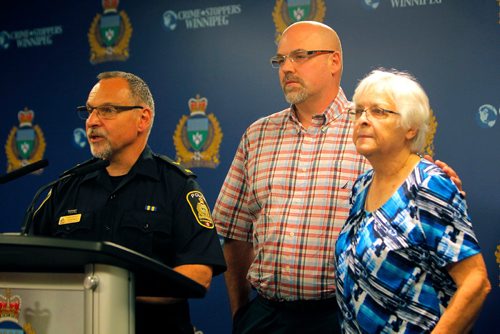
x=194, y=236
x=231, y=214
x=445, y=221
x=42, y=216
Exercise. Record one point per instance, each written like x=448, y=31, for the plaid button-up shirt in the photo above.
x=287, y=192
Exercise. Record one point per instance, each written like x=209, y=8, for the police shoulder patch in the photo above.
x=184, y=171
x=200, y=209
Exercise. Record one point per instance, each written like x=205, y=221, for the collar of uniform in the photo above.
x=145, y=165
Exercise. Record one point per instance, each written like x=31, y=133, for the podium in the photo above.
x=93, y=284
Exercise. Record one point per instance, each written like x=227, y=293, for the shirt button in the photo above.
x=292, y=234
x=107, y=227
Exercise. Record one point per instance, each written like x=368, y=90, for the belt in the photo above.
x=300, y=305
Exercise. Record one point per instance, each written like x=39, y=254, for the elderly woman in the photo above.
x=407, y=260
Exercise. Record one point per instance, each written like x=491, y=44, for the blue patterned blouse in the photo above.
x=391, y=262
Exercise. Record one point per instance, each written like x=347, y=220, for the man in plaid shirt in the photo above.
x=286, y=195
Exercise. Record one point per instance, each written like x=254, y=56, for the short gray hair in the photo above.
x=404, y=92
x=138, y=87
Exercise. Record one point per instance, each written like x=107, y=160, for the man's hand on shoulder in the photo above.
x=449, y=171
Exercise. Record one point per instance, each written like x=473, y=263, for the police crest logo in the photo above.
x=497, y=255
x=109, y=34
x=25, y=144
x=200, y=209
x=10, y=308
x=287, y=12
x=429, y=140
x=197, y=138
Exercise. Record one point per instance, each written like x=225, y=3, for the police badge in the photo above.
x=197, y=138
x=287, y=12
x=109, y=34
x=26, y=143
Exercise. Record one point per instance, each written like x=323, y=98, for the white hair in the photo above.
x=401, y=90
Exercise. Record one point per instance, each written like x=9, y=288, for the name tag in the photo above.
x=71, y=219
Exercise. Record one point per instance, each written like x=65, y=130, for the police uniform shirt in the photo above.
x=157, y=209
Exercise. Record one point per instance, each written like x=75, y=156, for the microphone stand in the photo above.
x=28, y=216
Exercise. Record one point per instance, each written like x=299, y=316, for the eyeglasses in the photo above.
x=107, y=111
x=375, y=112
x=297, y=56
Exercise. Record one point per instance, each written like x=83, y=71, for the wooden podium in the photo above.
x=102, y=277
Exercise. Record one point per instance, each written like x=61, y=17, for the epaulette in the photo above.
x=176, y=164
x=85, y=163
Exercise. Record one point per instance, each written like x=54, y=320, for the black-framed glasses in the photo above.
x=107, y=111
x=297, y=56
x=373, y=112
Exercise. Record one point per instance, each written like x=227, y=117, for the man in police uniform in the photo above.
x=142, y=201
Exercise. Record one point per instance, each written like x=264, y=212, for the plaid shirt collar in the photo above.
x=336, y=108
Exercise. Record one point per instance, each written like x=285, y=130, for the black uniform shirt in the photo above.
x=157, y=209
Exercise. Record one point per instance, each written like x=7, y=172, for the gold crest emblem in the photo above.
x=109, y=34
x=197, y=138
x=25, y=144
x=288, y=12
x=497, y=255
x=200, y=209
x=429, y=141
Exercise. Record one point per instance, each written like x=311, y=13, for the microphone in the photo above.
x=23, y=171
x=85, y=168
x=79, y=169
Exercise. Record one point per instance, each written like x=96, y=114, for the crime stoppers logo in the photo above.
x=374, y=4
x=370, y=4
x=29, y=38
x=291, y=11
x=486, y=116
x=197, y=138
x=200, y=18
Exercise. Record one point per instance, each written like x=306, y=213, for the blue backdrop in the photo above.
x=220, y=50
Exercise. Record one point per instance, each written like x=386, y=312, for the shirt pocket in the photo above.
x=145, y=232
x=81, y=228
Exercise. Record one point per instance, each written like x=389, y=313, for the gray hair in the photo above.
x=401, y=90
x=139, y=90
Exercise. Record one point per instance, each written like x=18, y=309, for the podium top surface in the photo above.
x=43, y=254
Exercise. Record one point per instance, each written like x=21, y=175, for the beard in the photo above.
x=104, y=152
x=294, y=95
x=101, y=150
